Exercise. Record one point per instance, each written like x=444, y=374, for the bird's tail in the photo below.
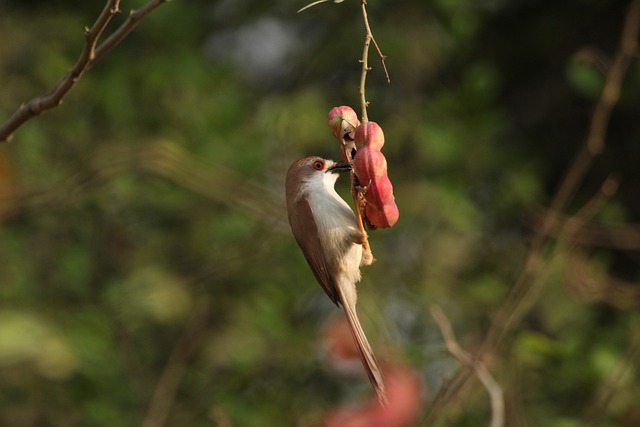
x=362, y=344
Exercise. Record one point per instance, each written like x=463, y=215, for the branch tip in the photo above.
x=310, y=5
x=91, y=52
x=368, y=38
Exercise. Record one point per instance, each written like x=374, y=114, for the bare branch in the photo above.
x=315, y=3
x=528, y=285
x=368, y=38
x=590, y=285
x=528, y=281
x=91, y=52
x=614, y=384
x=135, y=16
x=481, y=372
x=363, y=76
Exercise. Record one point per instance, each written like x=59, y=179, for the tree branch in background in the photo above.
x=368, y=38
x=91, y=52
x=317, y=3
x=620, y=376
x=593, y=146
x=529, y=283
x=480, y=371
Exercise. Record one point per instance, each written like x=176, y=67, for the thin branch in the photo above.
x=529, y=276
x=569, y=229
x=368, y=38
x=134, y=18
x=363, y=76
x=614, y=384
x=449, y=388
x=91, y=52
x=589, y=285
x=367, y=28
x=315, y=3
x=593, y=146
x=595, y=140
x=596, y=136
x=527, y=287
x=381, y=55
x=481, y=372
x=53, y=97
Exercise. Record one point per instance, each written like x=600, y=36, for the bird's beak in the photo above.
x=339, y=167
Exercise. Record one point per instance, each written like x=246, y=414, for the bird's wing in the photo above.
x=303, y=225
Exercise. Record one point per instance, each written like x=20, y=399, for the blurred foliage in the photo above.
x=147, y=267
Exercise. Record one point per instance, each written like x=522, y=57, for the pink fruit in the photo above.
x=381, y=191
x=383, y=217
x=343, y=121
x=360, y=145
x=370, y=166
x=369, y=134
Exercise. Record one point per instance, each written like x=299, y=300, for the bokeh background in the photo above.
x=147, y=272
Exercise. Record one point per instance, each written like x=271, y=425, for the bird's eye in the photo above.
x=318, y=165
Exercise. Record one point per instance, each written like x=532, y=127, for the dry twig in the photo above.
x=91, y=52
x=480, y=371
x=618, y=377
x=368, y=38
x=594, y=145
x=529, y=284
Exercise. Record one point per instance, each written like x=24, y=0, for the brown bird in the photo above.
x=327, y=231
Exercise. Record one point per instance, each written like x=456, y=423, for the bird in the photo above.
x=326, y=229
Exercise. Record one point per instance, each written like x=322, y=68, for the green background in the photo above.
x=147, y=271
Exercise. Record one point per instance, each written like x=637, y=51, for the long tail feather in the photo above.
x=362, y=344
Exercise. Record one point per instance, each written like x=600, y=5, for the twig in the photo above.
x=613, y=385
x=134, y=18
x=599, y=285
x=449, y=388
x=569, y=229
x=315, y=3
x=91, y=52
x=53, y=97
x=481, y=372
x=528, y=285
x=521, y=291
x=593, y=146
x=368, y=38
x=363, y=76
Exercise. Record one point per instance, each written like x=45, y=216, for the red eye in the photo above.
x=318, y=165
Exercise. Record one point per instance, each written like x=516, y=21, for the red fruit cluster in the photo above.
x=370, y=166
x=360, y=146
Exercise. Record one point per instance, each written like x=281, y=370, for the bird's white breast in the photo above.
x=336, y=222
